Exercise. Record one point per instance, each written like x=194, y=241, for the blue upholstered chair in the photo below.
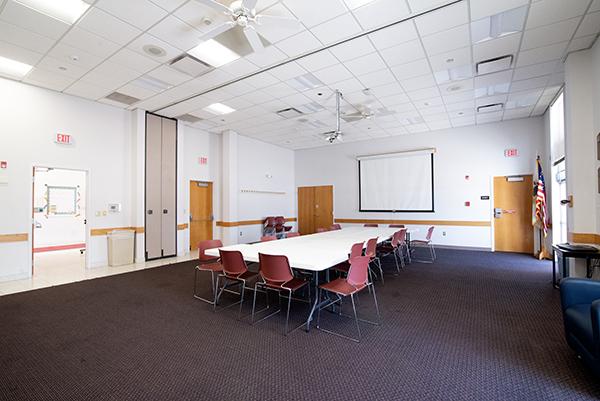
x=580, y=299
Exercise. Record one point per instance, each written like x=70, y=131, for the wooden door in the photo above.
x=315, y=208
x=201, y=212
x=513, y=197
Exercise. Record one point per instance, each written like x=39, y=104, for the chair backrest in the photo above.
x=291, y=235
x=396, y=238
x=371, y=248
x=269, y=221
x=335, y=227
x=275, y=269
x=429, y=233
x=402, y=236
x=233, y=262
x=356, y=250
x=208, y=244
x=321, y=230
x=371, y=225
x=358, y=274
x=396, y=225
x=266, y=238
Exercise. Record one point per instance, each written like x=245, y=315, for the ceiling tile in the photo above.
x=595, y=6
x=199, y=15
x=424, y=5
x=138, y=45
x=541, y=54
x=19, y=53
x=424, y=81
x=549, y=34
x=277, y=32
x=426, y=93
x=110, y=75
x=168, y=5
x=135, y=61
x=130, y=11
x=239, y=67
x=346, y=86
x=527, y=84
x=89, y=42
x=536, y=70
x=452, y=59
x=394, y=35
x=336, y=29
x=403, y=53
x=136, y=91
x=484, y=8
x=268, y=56
x=108, y=27
x=31, y=20
x=86, y=90
x=387, y=90
x=353, y=49
x=169, y=75
x=47, y=79
x=377, y=78
x=365, y=64
x=503, y=46
x=445, y=18
x=447, y=40
x=57, y=66
x=546, y=12
x=262, y=80
x=590, y=25
x=381, y=12
x=280, y=90
x=287, y=71
x=176, y=33
x=299, y=44
x=318, y=60
x=412, y=69
x=584, y=42
x=333, y=74
x=29, y=40
x=314, y=12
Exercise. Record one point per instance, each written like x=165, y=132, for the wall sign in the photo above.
x=485, y=197
x=511, y=152
x=3, y=164
x=64, y=139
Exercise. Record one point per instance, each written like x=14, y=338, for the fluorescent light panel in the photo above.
x=494, y=65
x=214, y=53
x=498, y=25
x=152, y=84
x=219, y=109
x=67, y=11
x=454, y=74
x=305, y=82
x=492, y=90
x=13, y=68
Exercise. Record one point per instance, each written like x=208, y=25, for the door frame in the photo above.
x=493, y=200
x=86, y=217
x=189, y=203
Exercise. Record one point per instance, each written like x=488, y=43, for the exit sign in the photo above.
x=511, y=153
x=63, y=139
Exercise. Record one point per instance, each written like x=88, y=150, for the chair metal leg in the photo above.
x=355, y=317
x=241, y=299
x=376, y=306
x=217, y=295
x=380, y=269
x=287, y=316
x=212, y=286
x=432, y=250
x=318, y=309
x=254, y=302
x=396, y=260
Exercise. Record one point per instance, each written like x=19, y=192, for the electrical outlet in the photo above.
x=443, y=233
x=241, y=234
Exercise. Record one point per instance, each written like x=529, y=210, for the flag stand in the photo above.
x=542, y=254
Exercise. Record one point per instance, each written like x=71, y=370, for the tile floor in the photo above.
x=62, y=267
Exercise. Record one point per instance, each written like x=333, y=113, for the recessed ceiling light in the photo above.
x=498, y=25
x=488, y=108
x=154, y=50
x=13, y=68
x=305, y=82
x=214, y=53
x=492, y=90
x=454, y=74
x=74, y=58
x=67, y=11
x=450, y=60
x=494, y=64
x=219, y=109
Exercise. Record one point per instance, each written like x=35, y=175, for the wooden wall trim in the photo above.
x=248, y=222
x=418, y=222
x=584, y=238
x=14, y=237
x=96, y=232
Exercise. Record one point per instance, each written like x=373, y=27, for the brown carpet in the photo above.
x=472, y=326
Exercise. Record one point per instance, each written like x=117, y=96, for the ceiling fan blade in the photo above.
x=263, y=19
x=253, y=39
x=249, y=4
x=216, y=6
x=217, y=30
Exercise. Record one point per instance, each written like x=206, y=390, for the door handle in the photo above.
x=150, y=211
x=165, y=211
x=497, y=212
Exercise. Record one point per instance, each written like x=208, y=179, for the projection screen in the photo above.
x=396, y=182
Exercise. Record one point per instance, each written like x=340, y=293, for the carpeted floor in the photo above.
x=473, y=326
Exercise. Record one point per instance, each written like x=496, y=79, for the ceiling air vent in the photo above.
x=189, y=118
x=122, y=98
x=488, y=108
x=190, y=65
x=494, y=64
x=290, y=112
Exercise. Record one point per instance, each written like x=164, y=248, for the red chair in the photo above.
x=277, y=275
x=280, y=226
x=426, y=243
x=322, y=230
x=236, y=271
x=269, y=226
x=335, y=227
x=394, y=247
x=267, y=238
x=357, y=280
x=371, y=252
x=292, y=235
x=355, y=250
x=207, y=263
x=371, y=225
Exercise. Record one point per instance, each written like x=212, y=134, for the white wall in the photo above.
x=59, y=229
x=474, y=151
x=30, y=117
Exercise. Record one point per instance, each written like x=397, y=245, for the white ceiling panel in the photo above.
x=88, y=91
x=447, y=40
x=394, y=35
x=131, y=12
x=590, y=25
x=546, y=12
x=549, y=34
x=336, y=29
x=584, y=42
x=169, y=75
x=485, y=8
x=507, y=45
x=31, y=20
x=315, y=12
x=353, y=49
x=381, y=12
x=443, y=19
x=268, y=56
x=535, y=70
x=365, y=64
x=377, y=78
x=108, y=27
x=48, y=79
x=168, y=5
x=412, y=69
x=541, y=54
x=299, y=44
x=24, y=38
x=403, y=53
x=134, y=61
x=90, y=42
x=277, y=32
x=19, y=53
x=176, y=33
x=138, y=45
x=333, y=74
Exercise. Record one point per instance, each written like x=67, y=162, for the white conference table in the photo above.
x=313, y=252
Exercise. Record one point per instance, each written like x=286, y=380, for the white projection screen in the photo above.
x=396, y=182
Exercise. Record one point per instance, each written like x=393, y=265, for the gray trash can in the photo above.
x=121, y=244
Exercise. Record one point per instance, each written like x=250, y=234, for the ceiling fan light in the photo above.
x=214, y=53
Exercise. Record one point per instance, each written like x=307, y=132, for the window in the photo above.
x=559, y=174
x=62, y=200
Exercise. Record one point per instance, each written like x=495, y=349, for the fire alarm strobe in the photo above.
x=3, y=164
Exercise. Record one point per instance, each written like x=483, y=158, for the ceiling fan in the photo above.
x=335, y=135
x=243, y=14
x=364, y=111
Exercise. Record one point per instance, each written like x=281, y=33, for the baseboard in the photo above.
x=13, y=277
x=463, y=248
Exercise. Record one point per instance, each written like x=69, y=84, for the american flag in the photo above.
x=541, y=213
